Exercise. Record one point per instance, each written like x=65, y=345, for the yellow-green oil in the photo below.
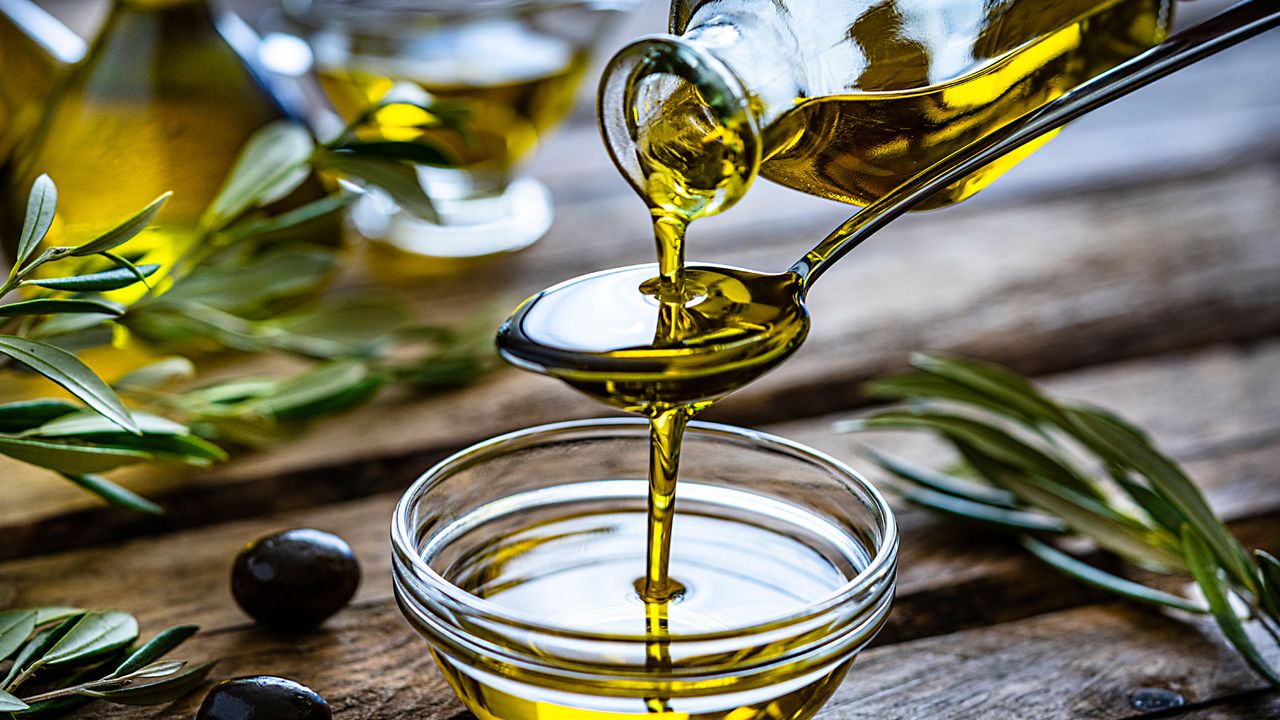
x=568, y=556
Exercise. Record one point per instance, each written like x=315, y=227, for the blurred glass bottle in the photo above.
x=846, y=99
x=162, y=101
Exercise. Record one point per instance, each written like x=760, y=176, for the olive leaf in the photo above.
x=159, y=373
x=939, y=481
x=1204, y=568
x=95, y=634
x=41, y=205
x=69, y=458
x=98, y=282
x=160, y=692
x=1270, y=573
x=987, y=438
x=301, y=395
x=156, y=648
x=15, y=627
x=1103, y=580
x=415, y=152
x=113, y=493
x=270, y=166
x=1126, y=447
x=50, y=306
x=47, y=615
x=123, y=232
x=269, y=227
x=397, y=179
x=19, y=416
x=9, y=703
x=66, y=370
x=36, y=647
x=979, y=511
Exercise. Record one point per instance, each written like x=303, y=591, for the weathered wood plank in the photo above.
x=1066, y=283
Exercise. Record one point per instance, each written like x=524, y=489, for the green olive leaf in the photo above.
x=114, y=494
x=1124, y=446
x=158, y=374
x=15, y=627
x=1014, y=394
x=1270, y=571
x=1003, y=517
x=1103, y=580
x=298, y=217
x=67, y=457
x=83, y=423
x=990, y=440
x=19, y=416
x=298, y=393
x=270, y=166
x=37, y=646
x=41, y=205
x=397, y=179
x=125, y=231
x=1204, y=568
x=97, y=633
x=97, y=282
x=156, y=648
x=417, y=152
x=65, y=369
x=50, y=306
x=47, y=615
x=9, y=703
x=940, y=482
x=160, y=692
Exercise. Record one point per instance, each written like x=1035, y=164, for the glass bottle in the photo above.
x=162, y=101
x=845, y=99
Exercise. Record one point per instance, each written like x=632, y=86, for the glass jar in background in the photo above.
x=501, y=73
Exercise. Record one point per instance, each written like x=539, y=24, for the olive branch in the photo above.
x=61, y=658
x=1018, y=471
x=249, y=283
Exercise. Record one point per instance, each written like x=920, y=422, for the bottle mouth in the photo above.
x=679, y=125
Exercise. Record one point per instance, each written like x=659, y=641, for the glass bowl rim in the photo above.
x=881, y=567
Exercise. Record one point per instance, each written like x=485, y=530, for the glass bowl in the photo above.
x=515, y=560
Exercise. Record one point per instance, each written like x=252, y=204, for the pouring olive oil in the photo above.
x=667, y=341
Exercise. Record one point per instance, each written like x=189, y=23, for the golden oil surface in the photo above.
x=570, y=557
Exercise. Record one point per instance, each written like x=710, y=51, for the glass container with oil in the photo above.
x=162, y=101
x=499, y=75
x=518, y=561
x=847, y=99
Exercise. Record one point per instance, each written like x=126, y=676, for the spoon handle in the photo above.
x=1235, y=24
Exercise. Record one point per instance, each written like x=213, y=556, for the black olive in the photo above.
x=295, y=579
x=263, y=697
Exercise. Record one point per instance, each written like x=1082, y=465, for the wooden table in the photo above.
x=1134, y=262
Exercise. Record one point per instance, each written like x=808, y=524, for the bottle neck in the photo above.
x=683, y=118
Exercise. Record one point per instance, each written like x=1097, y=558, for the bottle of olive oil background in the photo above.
x=162, y=101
